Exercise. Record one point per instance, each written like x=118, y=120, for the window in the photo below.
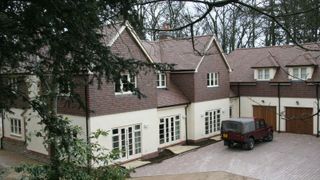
x=299, y=73
x=169, y=129
x=264, y=74
x=212, y=79
x=212, y=121
x=230, y=111
x=13, y=83
x=64, y=89
x=161, y=80
x=303, y=73
x=15, y=126
x=127, y=140
x=124, y=83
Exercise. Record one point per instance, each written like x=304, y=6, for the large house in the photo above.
x=280, y=84
x=185, y=104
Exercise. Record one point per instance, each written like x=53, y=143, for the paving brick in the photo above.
x=289, y=156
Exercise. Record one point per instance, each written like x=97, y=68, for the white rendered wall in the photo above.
x=234, y=105
x=196, y=117
x=78, y=121
x=35, y=143
x=148, y=119
x=248, y=102
x=18, y=114
x=172, y=111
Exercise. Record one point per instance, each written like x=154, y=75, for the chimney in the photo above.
x=165, y=34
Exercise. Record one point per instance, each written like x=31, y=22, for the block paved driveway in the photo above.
x=288, y=156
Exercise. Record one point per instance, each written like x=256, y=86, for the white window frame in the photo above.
x=212, y=121
x=169, y=129
x=161, y=80
x=13, y=83
x=298, y=75
x=65, y=94
x=121, y=84
x=15, y=127
x=263, y=74
x=127, y=146
x=212, y=79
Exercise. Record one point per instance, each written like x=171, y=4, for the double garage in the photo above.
x=298, y=120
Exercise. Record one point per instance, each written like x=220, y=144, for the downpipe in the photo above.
x=186, y=121
x=2, y=129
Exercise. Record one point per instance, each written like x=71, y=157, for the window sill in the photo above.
x=16, y=135
x=212, y=86
x=297, y=80
x=162, y=87
x=123, y=93
x=263, y=79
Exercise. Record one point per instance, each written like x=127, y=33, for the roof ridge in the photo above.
x=177, y=39
x=278, y=46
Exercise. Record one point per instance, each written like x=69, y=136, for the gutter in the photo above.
x=87, y=111
x=24, y=125
x=239, y=99
x=160, y=107
x=183, y=71
x=279, y=103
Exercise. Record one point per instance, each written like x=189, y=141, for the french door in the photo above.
x=169, y=129
x=212, y=121
x=127, y=140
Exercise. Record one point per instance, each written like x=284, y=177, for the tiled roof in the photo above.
x=171, y=96
x=242, y=61
x=305, y=59
x=178, y=51
x=266, y=61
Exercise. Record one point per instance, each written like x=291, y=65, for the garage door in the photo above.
x=299, y=120
x=268, y=113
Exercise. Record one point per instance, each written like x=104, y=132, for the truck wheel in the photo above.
x=269, y=137
x=230, y=145
x=250, y=144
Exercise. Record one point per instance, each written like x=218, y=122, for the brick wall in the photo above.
x=212, y=63
x=185, y=82
x=72, y=106
x=18, y=101
x=264, y=89
x=103, y=101
x=299, y=90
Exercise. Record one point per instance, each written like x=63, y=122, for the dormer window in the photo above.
x=300, y=73
x=264, y=74
x=161, y=80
